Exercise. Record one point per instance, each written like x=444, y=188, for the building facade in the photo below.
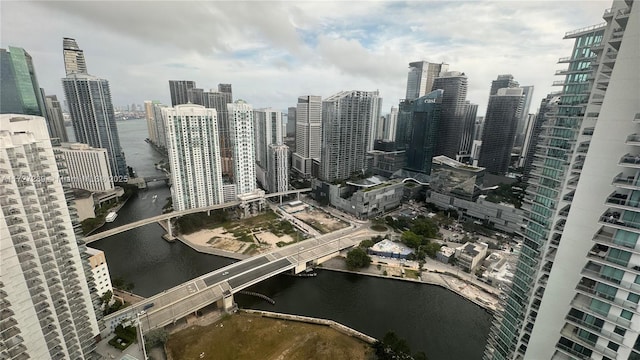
x=348, y=118
x=425, y=118
x=453, y=114
x=179, y=90
x=47, y=305
x=93, y=118
x=194, y=156
x=73, y=57
x=277, y=168
x=88, y=167
x=100, y=271
x=576, y=290
x=500, y=125
x=19, y=89
x=421, y=76
x=308, y=118
x=242, y=142
x=55, y=118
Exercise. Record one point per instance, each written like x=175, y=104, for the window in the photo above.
x=626, y=314
x=633, y=297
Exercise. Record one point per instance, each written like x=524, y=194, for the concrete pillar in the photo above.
x=169, y=230
x=226, y=303
x=280, y=199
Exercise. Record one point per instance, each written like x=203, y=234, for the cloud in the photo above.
x=273, y=52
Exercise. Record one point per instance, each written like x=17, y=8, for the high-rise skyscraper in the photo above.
x=55, y=119
x=194, y=156
x=242, y=142
x=503, y=81
x=19, y=89
x=308, y=117
x=391, y=124
x=347, y=121
x=87, y=167
x=218, y=100
x=421, y=76
x=500, y=124
x=73, y=57
x=179, y=90
x=454, y=114
x=527, y=97
x=151, y=122
x=48, y=311
x=278, y=168
x=93, y=118
x=271, y=153
x=548, y=107
x=425, y=115
x=468, y=131
x=575, y=291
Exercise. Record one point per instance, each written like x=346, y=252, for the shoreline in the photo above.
x=116, y=209
x=444, y=284
x=206, y=249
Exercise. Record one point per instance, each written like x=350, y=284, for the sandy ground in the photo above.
x=320, y=219
x=271, y=239
x=224, y=240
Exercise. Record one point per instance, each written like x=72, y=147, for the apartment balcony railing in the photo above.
x=607, y=239
x=610, y=299
x=597, y=330
x=585, y=29
x=630, y=161
x=626, y=181
x=579, y=304
x=622, y=201
x=571, y=352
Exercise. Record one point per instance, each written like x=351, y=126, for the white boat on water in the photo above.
x=154, y=198
x=111, y=216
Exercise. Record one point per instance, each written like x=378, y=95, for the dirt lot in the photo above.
x=320, y=220
x=249, y=337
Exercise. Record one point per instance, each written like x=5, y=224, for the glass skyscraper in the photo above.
x=19, y=89
x=576, y=289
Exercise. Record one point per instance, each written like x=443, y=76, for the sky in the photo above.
x=274, y=51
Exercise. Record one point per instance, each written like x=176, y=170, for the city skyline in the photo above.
x=316, y=45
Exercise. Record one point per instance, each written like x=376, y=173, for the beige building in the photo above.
x=100, y=271
x=88, y=167
x=470, y=255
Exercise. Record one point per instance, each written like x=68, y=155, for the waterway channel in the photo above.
x=434, y=320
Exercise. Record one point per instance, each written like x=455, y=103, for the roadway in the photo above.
x=173, y=214
x=186, y=298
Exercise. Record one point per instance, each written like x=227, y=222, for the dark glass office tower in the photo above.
x=501, y=122
x=180, y=91
x=93, y=118
x=425, y=113
x=503, y=81
x=55, y=119
x=19, y=89
x=453, y=114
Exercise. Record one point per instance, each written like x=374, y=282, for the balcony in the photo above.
x=582, y=302
x=570, y=352
x=626, y=181
x=606, y=238
x=575, y=33
x=589, y=288
x=630, y=161
x=598, y=331
x=622, y=201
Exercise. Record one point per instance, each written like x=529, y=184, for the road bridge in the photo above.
x=175, y=214
x=219, y=286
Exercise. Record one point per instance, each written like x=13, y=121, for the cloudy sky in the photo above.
x=273, y=52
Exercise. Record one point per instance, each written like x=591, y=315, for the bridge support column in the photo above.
x=169, y=229
x=280, y=199
x=226, y=303
x=298, y=195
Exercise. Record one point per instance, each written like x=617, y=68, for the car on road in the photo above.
x=148, y=306
x=225, y=273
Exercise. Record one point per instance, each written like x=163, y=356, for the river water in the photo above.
x=434, y=320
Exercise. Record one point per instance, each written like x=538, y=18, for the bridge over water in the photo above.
x=176, y=214
x=219, y=286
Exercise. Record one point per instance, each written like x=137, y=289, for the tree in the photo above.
x=156, y=337
x=411, y=239
x=357, y=258
x=425, y=227
x=106, y=297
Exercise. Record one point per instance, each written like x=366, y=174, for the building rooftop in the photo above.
x=455, y=164
x=473, y=249
x=92, y=251
x=368, y=182
x=447, y=251
x=388, y=246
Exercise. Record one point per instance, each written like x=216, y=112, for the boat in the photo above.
x=111, y=216
x=155, y=197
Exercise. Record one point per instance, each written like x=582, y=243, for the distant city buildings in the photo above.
x=278, y=168
x=194, y=156
x=501, y=122
x=390, y=125
x=348, y=119
x=47, y=293
x=308, y=118
x=87, y=167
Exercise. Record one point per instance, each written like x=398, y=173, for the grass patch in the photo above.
x=378, y=227
x=251, y=337
x=411, y=274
